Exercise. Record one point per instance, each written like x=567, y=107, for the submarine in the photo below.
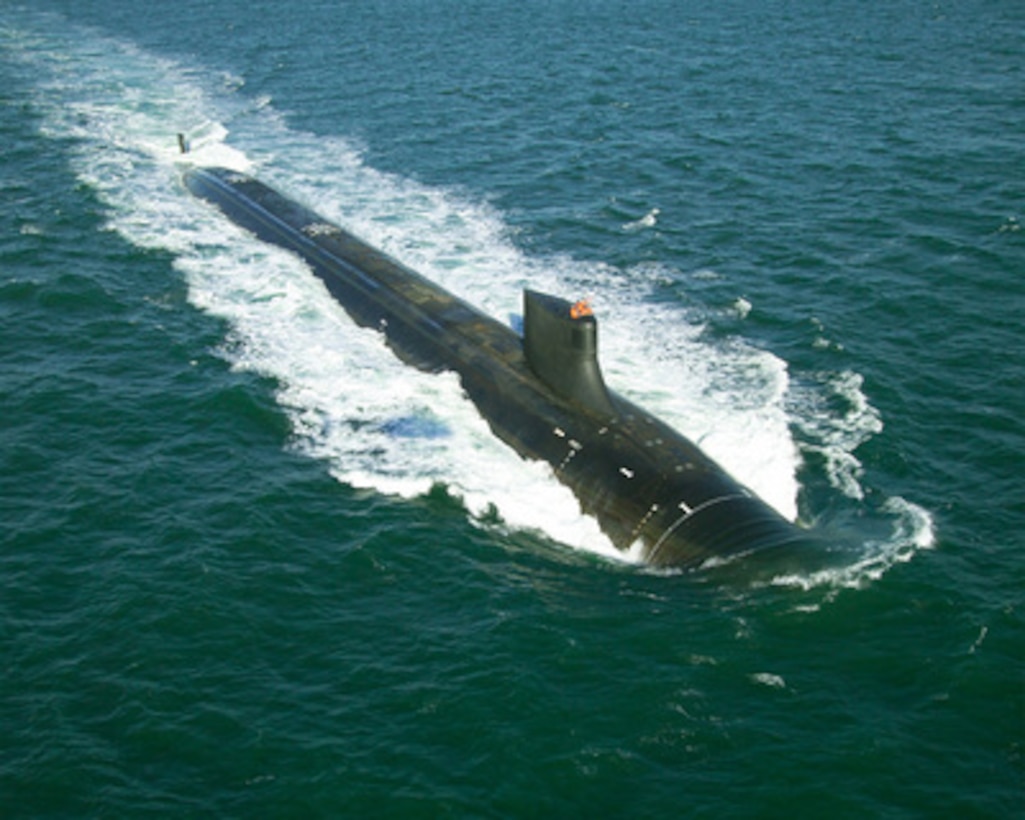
x=653, y=492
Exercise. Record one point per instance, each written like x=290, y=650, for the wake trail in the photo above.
x=376, y=422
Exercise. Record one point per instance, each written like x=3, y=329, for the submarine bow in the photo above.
x=542, y=394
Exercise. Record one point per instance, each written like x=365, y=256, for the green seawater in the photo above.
x=229, y=587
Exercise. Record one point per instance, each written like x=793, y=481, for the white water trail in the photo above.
x=376, y=422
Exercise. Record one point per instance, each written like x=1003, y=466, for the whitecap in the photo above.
x=647, y=221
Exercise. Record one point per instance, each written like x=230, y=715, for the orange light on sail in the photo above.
x=581, y=309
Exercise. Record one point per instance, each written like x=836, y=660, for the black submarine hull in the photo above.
x=541, y=394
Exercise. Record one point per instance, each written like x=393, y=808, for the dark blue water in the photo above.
x=252, y=565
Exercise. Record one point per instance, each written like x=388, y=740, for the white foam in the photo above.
x=769, y=679
x=742, y=307
x=913, y=530
x=649, y=220
x=835, y=435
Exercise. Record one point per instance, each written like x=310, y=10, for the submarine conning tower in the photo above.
x=560, y=340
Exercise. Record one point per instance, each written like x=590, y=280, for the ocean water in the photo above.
x=251, y=565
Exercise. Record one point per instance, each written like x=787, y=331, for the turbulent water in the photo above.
x=253, y=565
